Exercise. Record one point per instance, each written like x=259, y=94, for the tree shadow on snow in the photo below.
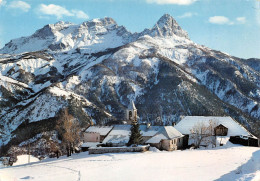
x=245, y=171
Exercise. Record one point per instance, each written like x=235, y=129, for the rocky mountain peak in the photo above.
x=44, y=32
x=168, y=26
x=50, y=29
x=166, y=19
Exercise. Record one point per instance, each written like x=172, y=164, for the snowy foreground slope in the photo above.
x=229, y=163
x=97, y=67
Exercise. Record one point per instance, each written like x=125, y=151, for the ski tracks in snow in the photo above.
x=76, y=171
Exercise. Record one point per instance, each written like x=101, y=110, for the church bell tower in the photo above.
x=131, y=112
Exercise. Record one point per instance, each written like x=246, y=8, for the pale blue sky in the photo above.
x=232, y=26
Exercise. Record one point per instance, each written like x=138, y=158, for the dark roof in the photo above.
x=221, y=125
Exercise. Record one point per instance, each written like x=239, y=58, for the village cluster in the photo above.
x=190, y=131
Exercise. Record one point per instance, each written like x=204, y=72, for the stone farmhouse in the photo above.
x=167, y=138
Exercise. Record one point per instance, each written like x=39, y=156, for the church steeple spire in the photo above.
x=132, y=106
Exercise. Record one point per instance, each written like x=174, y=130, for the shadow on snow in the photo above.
x=246, y=171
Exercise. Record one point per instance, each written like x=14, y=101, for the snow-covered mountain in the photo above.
x=94, y=36
x=91, y=36
x=96, y=68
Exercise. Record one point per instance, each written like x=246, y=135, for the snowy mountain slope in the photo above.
x=98, y=67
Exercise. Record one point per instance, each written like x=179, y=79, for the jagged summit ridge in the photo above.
x=92, y=36
x=101, y=22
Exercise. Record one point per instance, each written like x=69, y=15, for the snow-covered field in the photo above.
x=224, y=163
x=23, y=159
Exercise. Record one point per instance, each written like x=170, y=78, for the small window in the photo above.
x=130, y=114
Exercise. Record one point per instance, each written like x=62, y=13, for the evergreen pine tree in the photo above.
x=136, y=136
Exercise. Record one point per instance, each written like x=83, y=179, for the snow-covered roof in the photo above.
x=234, y=128
x=165, y=132
x=156, y=139
x=172, y=132
x=149, y=131
x=102, y=130
x=90, y=144
x=132, y=106
x=119, y=134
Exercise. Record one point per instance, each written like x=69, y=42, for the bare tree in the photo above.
x=54, y=148
x=69, y=130
x=201, y=132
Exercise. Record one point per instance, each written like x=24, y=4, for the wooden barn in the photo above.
x=221, y=130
